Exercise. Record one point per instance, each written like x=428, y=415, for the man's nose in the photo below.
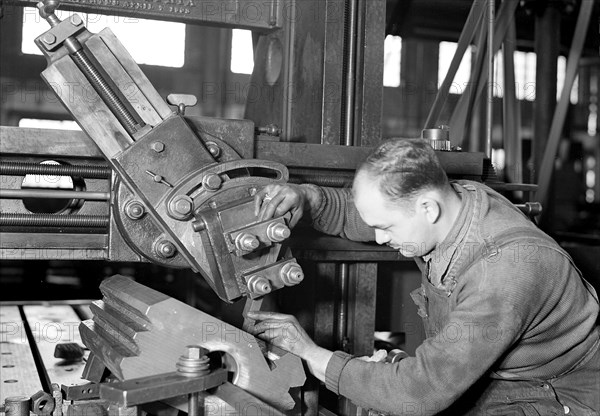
x=381, y=237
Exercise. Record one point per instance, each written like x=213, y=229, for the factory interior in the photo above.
x=130, y=157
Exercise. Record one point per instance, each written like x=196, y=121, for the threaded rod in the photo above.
x=79, y=171
x=105, y=91
x=52, y=220
x=51, y=193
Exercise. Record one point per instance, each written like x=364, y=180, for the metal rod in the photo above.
x=350, y=61
x=466, y=36
x=342, y=324
x=79, y=171
x=55, y=194
x=53, y=220
x=490, y=89
x=105, y=91
x=193, y=404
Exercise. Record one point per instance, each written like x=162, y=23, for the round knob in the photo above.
x=246, y=242
x=291, y=274
x=214, y=149
x=135, y=210
x=277, y=232
x=165, y=249
x=212, y=182
x=258, y=285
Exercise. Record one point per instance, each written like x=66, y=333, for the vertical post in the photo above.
x=490, y=86
x=511, y=110
x=547, y=42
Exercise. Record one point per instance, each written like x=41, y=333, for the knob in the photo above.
x=165, y=249
x=277, y=232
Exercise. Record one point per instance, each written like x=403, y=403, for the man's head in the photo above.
x=402, y=191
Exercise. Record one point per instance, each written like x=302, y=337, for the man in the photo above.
x=510, y=323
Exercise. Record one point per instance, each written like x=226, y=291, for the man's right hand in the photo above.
x=275, y=200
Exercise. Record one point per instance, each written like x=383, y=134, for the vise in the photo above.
x=180, y=196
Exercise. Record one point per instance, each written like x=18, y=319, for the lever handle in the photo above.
x=46, y=9
x=182, y=101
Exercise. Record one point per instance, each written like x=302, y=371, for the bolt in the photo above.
x=76, y=20
x=135, y=210
x=277, y=232
x=258, y=285
x=212, y=182
x=214, y=149
x=246, y=242
x=158, y=147
x=195, y=351
x=291, y=274
x=165, y=249
x=181, y=205
x=49, y=38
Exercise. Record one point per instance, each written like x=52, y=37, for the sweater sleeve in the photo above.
x=491, y=315
x=338, y=216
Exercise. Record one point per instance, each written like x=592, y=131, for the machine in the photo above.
x=153, y=185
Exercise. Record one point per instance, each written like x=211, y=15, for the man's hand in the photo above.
x=275, y=200
x=281, y=330
x=285, y=332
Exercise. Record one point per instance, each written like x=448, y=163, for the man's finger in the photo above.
x=263, y=315
x=268, y=208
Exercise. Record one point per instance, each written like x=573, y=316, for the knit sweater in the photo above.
x=518, y=308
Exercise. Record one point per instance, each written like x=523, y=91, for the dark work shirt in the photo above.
x=518, y=308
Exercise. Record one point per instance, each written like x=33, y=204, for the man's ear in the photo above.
x=429, y=207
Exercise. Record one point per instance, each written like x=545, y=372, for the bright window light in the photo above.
x=461, y=80
x=560, y=81
x=49, y=124
x=391, y=61
x=525, y=67
x=149, y=42
x=242, y=52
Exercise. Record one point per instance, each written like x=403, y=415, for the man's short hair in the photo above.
x=405, y=168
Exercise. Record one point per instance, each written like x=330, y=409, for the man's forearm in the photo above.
x=313, y=199
x=317, y=359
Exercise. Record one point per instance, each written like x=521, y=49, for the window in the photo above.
x=461, y=80
x=391, y=61
x=525, y=68
x=149, y=42
x=242, y=52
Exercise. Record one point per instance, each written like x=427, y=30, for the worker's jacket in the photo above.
x=510, y=322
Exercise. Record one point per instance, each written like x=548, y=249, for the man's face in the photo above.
x=399, y=227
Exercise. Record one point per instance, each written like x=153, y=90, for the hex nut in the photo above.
x=291, y=274
x=278, y=232
x=158, y=147
x=212, y=182
x=42, y=403
x=246, y=242
x=181, y=206
x=258, y=285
